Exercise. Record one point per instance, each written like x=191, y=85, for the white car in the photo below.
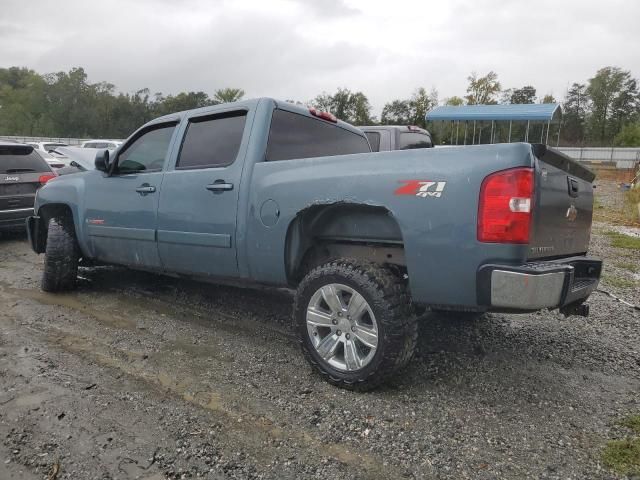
x=55, y=160
x=108, y=144
x=47, y=150
x=46, y=146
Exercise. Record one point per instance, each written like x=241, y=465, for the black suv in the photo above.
x=22, y=173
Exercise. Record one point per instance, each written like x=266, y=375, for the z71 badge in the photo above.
x=421, y=188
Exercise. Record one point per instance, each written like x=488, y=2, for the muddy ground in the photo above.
x=141, y=376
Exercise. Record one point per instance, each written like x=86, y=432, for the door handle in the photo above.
x=219, y=186
x=573, y=187
x=145, y=189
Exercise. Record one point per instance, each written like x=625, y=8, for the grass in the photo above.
x=623, y=456
x=632, y=422
x=631, y=201
x=620, y=240
x=625, y=214
x=630, y=267
x=597, y=205
x=619, y=282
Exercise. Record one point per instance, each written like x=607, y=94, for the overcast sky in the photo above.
x=295, y=49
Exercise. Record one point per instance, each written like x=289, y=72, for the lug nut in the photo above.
x=347, y=336
x=339, y=314
x=315, y=334
x=334, y=321
x=353, y=329
x=338, y=333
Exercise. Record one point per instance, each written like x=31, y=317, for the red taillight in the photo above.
x=504, y=210
x=45, y=178
x=323, y=115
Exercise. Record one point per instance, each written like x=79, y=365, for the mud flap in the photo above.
x=33, y=234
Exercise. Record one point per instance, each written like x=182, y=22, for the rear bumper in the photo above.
x=537, y=285
x=12, y=219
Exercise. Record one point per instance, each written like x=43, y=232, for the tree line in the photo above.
x=604, y=110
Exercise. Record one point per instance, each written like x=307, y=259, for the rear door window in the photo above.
x=411, y=140
x=295, y=136
x=374, y=140
x=212, y=141
x=21, y=159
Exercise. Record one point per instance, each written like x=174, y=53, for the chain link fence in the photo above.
x=67, y=140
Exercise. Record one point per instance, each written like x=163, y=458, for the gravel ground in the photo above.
x=141, y=376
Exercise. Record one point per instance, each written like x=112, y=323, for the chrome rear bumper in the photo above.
x=534, y=286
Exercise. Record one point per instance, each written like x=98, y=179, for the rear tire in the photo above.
x=369, y=344
x=61, y=256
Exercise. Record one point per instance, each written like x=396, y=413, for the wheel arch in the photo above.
x=45, y=213
x=323, y=232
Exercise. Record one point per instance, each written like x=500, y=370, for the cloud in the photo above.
x=298, y=48
x=328, y=8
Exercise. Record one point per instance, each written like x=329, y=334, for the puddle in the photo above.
x=70, y=301
x=253, y=427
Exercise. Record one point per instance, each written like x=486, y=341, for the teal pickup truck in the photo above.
x=266, y=192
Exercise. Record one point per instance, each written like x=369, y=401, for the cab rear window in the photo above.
x=21, y=159
x=374, y=140
x=295, y=136
x=410, y=140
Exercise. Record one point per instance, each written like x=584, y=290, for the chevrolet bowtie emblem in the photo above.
x=572, y=213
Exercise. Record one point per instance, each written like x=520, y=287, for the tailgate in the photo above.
x=20, y=171
x=563, y=206
x=18, y=190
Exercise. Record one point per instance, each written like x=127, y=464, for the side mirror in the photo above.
x=102, y=160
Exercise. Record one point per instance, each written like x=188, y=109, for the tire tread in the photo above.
x=391, y=295
x=61, y=256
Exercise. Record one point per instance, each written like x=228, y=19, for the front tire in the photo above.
x=61, y=256
x=355, y=323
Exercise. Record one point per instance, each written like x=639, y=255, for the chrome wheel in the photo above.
x=342, y=327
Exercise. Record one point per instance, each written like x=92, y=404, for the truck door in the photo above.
x=199, y=196
x=121, y=209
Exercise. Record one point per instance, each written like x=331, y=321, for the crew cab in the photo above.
x=384, y=138
x=266, y=192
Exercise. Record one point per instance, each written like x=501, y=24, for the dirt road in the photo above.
x=141, y=376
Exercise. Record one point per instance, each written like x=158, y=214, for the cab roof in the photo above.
x=253, y=103
x=404, y=128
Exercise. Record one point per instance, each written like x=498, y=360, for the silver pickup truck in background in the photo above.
x=385, y=138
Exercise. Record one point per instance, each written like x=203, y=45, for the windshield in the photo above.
x=45, y=155
x=82, y=156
